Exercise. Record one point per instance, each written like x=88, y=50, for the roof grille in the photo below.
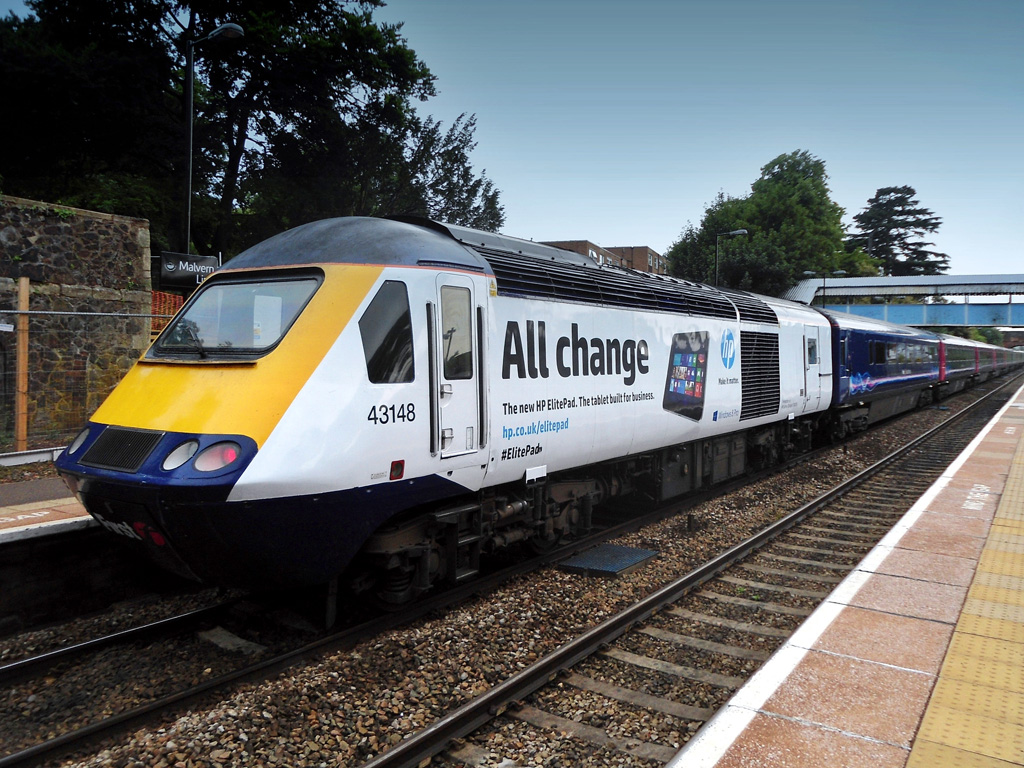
x=752, y=308
x=612, y=286
x=759, y=357
x=121, y=449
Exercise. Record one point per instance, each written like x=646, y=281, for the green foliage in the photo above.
x=444, y=182
x=991, y=335
x=984, y=333
x=83, y=103
x=311, y=115
x=889, y=230
x=793, y=226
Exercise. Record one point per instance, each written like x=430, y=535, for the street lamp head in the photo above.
x=227, y=31
x=839, y=273
x=737, y=232
x=808, y=273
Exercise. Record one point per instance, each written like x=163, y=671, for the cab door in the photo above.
x=457, y=365
x=813, y=367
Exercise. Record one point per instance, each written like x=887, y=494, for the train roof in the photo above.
x=521, y=268
x=861, y=323
x=960, y=341
x=360, y=240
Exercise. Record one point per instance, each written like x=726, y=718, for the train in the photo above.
x=386, y=401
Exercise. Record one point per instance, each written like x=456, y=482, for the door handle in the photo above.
x=446, y=391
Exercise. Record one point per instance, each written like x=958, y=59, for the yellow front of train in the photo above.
x=158, y=460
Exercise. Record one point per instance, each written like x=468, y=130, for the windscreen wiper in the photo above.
x=195, y=339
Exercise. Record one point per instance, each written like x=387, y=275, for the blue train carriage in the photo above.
x=883, y=370
x=959, y=361
x=394, y=398
x=988, y=361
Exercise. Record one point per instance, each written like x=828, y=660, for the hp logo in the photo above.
x=728, y=348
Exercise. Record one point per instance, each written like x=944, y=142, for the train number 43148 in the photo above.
x=389, y=414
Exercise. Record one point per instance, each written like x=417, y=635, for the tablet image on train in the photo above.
x=687, y=375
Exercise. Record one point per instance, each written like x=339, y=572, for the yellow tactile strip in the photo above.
x=976, y=713
x=931, y=755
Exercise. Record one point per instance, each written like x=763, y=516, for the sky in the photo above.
x=619, y=122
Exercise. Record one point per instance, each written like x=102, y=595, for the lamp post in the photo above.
x=227, y=31
x=718, y=237
x=823, y=276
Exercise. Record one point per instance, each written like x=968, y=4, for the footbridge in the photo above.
x=947, y=300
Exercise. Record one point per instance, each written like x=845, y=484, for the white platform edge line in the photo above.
x=711, y=742
x=25, y=532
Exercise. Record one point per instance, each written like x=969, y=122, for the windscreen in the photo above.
x=236, y=318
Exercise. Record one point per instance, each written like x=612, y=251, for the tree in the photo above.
x=443, y=182
x=90, y=118
x=311, y=116
x=306, y=65
x=792, y=223
x=888, y=228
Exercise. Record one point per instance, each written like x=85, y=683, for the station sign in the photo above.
x=182, y=271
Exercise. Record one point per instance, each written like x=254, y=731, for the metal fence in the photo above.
x=56, y=368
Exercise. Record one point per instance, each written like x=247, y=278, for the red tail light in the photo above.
x=217, y=456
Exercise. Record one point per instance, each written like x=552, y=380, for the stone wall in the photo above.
x=82, y=263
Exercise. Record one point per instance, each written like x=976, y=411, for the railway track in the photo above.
x=679, y=654
x=787, y=580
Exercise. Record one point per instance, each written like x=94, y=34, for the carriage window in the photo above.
x=456, y=332
x=877, y=352
x=386, y=328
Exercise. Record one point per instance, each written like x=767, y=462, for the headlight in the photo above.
x=217, y=456
x=180, y=455
x=77, y=442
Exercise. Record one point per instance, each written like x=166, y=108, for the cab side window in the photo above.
x=386, y=330
x=812, y=351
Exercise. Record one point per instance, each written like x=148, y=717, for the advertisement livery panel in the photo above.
x=570, y=379
x=563, y=384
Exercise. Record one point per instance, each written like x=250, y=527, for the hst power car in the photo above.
x=390, y=399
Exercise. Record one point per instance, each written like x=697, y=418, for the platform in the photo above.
x=39, y=508
x=917, y=658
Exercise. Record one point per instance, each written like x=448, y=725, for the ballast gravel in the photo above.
x=347, y=707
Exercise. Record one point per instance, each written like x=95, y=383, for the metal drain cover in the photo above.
x=607, y=560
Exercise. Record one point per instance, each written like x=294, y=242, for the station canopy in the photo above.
x=920, y=285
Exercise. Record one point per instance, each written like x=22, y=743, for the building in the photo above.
x=642, y=258
x=638, y=257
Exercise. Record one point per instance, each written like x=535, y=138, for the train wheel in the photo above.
x=541, y=545
x=394, y=589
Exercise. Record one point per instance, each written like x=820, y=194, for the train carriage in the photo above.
x=958, y=364
x=883, y=369
x=988, y=362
